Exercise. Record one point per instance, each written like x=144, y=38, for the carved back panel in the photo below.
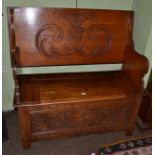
x=50, y=36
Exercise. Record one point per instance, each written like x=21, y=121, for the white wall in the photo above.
x=143, y=30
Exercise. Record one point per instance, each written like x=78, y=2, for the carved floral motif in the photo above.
x=52, y=39
x=68, y=117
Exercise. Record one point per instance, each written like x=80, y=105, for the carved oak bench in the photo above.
x=71, y=104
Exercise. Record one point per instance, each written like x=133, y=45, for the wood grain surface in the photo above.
x=46, y=36
x=71, y=104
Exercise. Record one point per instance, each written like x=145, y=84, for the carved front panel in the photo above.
x=81, y=115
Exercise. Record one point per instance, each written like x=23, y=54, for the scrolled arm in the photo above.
x=135, y=67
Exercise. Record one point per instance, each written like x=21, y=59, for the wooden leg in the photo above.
x=133, y=119
x=129, y=132
x=26, y=144
x=25, y=129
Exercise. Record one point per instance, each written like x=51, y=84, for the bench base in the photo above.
x=52, y=121
x=63, y=105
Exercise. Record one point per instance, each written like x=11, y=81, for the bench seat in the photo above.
x=45, y=88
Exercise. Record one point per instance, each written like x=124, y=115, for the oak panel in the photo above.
x=76, y=118
x=54, y=36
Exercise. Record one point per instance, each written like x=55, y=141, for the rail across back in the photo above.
x=52, y=36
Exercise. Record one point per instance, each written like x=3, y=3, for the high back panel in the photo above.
x=50, y=36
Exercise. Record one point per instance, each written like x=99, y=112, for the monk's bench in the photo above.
x=71, y=104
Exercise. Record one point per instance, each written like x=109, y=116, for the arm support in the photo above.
x=135, y=67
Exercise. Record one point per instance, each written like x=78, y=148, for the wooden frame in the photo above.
x=62, y=105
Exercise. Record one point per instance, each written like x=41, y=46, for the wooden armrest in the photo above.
x=135, y=67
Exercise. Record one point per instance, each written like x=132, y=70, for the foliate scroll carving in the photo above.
x=99, y=32
x=81, y=37
x=47, y=36
x=73, y=17
x=68, y=117
x=52, y=121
